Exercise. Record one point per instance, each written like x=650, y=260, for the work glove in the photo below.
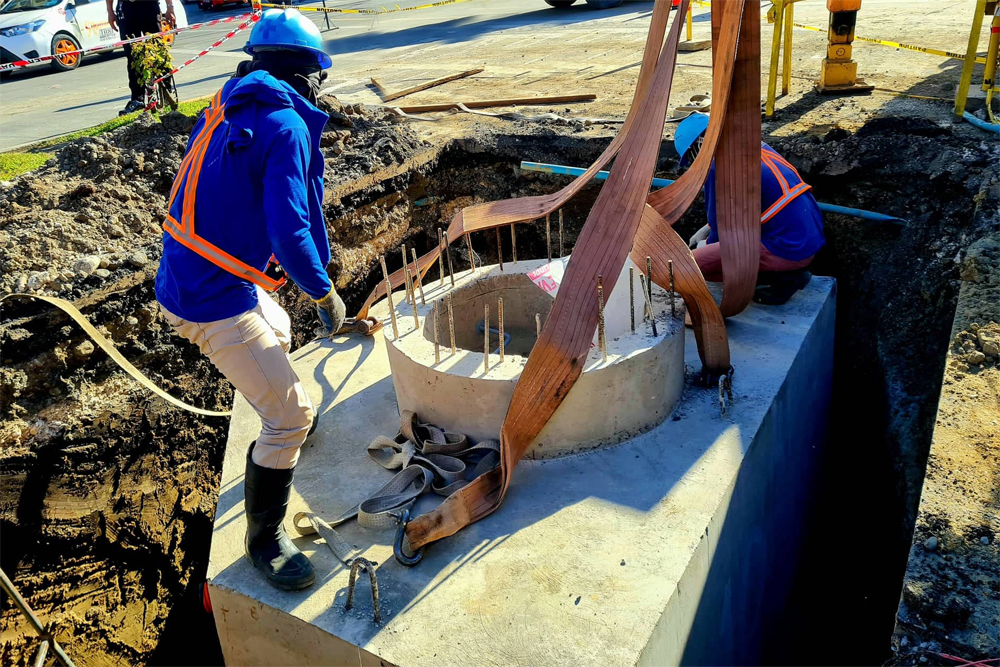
x=331, y=311
x=699, y=236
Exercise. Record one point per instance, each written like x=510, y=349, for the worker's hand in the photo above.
x=112, y=19
x=170, y=17
x=331, y=311
x=699, y=236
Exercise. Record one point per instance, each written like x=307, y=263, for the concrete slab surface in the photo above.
x=677, y=545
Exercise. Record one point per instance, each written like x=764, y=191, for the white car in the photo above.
x=31, y=29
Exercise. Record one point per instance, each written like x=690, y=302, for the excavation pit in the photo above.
x=643, y=374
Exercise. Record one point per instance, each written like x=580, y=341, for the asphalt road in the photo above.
x=526, y=47
x=38, y=103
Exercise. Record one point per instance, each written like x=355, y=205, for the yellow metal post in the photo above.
x=990, y=74
x=786, y=64
x=689, y=44
x=772, y=79
x=962, y=95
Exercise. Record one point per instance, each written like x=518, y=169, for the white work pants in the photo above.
x=251, y=350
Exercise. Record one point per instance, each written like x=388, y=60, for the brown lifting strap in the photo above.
x=620, y=218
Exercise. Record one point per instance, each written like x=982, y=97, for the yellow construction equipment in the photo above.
x=989, y=85
x=839, y=73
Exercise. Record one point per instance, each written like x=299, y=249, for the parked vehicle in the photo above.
x=34, y=28
x=219, y=4
x=596, y=4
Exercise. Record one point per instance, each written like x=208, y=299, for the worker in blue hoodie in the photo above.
x=246, y=199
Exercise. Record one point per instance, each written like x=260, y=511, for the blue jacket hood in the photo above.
x=243, y=98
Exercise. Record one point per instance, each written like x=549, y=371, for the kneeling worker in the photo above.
x=250, y=188
x=791, y=223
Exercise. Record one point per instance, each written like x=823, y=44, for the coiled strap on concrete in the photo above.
x=429, y=459
x=115, y=355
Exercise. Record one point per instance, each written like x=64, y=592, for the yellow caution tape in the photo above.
x=115, y=355
x=368, y=12
x=898, y=45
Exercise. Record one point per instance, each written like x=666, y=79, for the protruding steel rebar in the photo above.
x=8, y=587
x=437, y=345
x=406, y=273
x=392, y=309
x=499, y=248
x=451, y=324
x=562, y=253
x=411, y=295
x=649, y=303
x=451, y=267
x=548, y=236
x=602, y=340
x=631, y=294
x=388, y=296
x=369, y=567
x=472, y=258
x=486, y=338
x=649, y=285
x=500, y=325
x=416, y=274
x=513, y=244
x=441, y=256
x=670, y=267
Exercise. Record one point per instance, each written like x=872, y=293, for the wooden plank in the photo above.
x=380, y=88
x=388, y=97
x=519, y=101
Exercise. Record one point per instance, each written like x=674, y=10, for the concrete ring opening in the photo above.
x=632, y=391
x=522, y=300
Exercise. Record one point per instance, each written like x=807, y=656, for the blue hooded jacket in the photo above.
x=795, y=232
x=260, y=192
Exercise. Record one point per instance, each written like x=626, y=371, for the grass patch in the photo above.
x=191, y=108
x=15, y=164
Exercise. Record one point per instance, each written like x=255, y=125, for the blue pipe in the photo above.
x=981, y=124
x=481, y=327
x=664, y=182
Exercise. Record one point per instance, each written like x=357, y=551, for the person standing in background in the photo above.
x=134, y=18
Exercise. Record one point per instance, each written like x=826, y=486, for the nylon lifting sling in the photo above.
x=184, y=232
x=624, y=218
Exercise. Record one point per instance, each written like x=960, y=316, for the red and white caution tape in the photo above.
x=116, y=45
x=251, y=19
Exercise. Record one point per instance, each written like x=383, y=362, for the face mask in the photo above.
x=299, y=70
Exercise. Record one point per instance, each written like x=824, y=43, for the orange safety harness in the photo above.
x=184, y=232
x=771, y=160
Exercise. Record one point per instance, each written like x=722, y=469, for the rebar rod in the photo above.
x=500, y=325
x=602, y=340
x=451, y=324
x=20, y=603
x=416, y=273
x=441, y=256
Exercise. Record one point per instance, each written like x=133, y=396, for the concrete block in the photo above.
x=678, y=545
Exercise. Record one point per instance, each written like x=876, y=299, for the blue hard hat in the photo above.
x=287, y=29
x=688, y=132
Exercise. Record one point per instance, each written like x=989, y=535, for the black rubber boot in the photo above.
x=268, y=547
x=776, y=288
